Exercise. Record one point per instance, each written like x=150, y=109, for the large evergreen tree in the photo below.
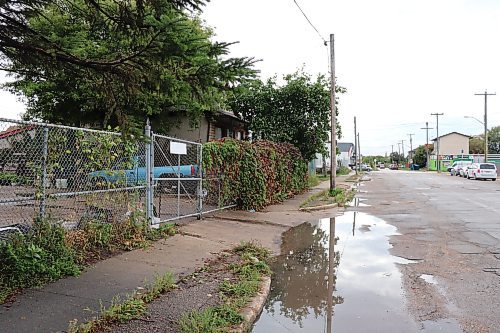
x=114, y=62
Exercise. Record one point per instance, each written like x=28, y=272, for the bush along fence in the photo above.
x=253, y=175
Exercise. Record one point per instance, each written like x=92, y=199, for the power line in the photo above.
x=310, y=23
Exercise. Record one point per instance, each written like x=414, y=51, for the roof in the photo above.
x=441, y=136
x=345, y=147
x=229, y=114
x=225, y=114
x=14, y=130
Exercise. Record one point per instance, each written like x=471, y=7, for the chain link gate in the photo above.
x=174, y=166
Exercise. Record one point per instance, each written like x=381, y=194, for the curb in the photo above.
x=253, y=309
x=309, y=209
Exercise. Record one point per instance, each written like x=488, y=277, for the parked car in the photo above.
x=482, y=171
x=366, y=167
x=393, y=167
x=455, y=167
x=462, y=171
x=381, y=166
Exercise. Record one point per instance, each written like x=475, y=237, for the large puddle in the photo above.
x=365, y=286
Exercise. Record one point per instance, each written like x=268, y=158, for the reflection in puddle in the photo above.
x=441, y=325
x=365, y=286
x=357, y=202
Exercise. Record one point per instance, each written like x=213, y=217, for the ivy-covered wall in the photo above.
x=253, y=175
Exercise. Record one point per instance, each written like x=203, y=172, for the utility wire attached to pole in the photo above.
x=438, y=163
x=426, y=128
x=310, y=23
x=485, y=123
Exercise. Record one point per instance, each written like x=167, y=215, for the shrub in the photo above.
x=48, y=252
x=343, y=170
x=37, y=257
x=253, y=175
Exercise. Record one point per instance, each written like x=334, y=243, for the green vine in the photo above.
x=252, y=175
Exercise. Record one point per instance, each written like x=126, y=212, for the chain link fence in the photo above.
x=69, y=174
x=75, y=175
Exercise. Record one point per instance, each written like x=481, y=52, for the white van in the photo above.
x=454, y=169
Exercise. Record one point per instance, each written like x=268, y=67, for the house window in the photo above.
x=238, y=135
x=218, y=133
x=230, y=133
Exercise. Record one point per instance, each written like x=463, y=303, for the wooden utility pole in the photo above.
x=333, y=139
x=359, y=153
x=485, y=123
x=438, y=162
x=355, y=147
x=403, y=149
x=426, y=128
x=411, y=147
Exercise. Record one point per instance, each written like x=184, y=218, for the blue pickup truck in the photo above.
x=137, y=174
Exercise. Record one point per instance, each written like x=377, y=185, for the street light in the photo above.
x=485, y=136
x=479, y=121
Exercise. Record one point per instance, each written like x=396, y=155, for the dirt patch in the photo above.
x=197, y=291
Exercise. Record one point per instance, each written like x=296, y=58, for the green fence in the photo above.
x=445, y=163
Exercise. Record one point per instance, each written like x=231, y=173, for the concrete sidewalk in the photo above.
x=50, y=308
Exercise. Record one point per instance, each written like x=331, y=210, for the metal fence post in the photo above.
x=200, y=182
x=44, y=171
x=149, y=182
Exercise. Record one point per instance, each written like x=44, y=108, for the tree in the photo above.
x=494, y=140
x=420, y=156
x=114, y=62
x=397, y=157
x=476, y=145
x=297, y=112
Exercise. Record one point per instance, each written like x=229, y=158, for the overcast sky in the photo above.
x=400, y=60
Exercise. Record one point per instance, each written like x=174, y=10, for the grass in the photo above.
x=134, y=306
x=339, y=195
x=354, y=178
x=249, y=270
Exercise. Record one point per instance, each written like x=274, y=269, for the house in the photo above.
x=11, y=133
x=451, y=144
x=346, y=157
x=222, y=124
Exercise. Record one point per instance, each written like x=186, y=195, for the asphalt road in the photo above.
x=450, y=226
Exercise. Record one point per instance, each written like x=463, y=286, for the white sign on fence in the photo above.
x=178, y=148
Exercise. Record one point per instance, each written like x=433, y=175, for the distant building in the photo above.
x=452, y=144
x=346, y=157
